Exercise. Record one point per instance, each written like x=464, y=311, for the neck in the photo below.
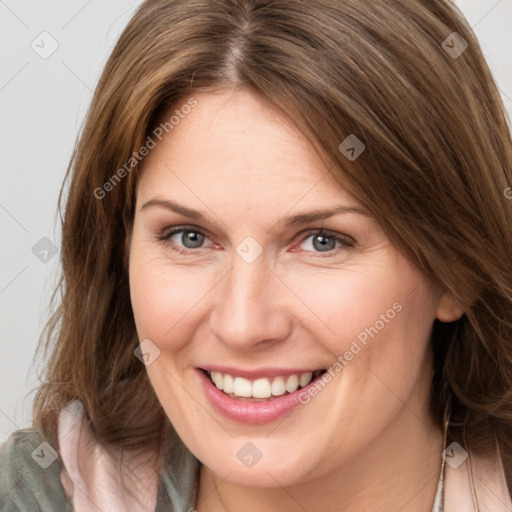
x=398, y=471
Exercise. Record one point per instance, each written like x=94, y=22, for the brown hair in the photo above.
x=437, y=161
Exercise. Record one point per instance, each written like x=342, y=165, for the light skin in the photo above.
x=366, y=441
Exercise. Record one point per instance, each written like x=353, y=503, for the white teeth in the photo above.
x=218, y=379
x=292, y=384
x=278, y=386
x=228, y=384
x=260, y=388
x=305, y=379
x=242, y=387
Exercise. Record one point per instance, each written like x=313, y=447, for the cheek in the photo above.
x=164, y=297
x=344, y=303
x=377, y=320
x=388, y=347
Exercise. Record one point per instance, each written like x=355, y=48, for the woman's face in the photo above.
x=229, y=273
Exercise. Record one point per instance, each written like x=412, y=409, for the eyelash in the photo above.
x=346, y=242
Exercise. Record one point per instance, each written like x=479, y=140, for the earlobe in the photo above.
x=449, y=308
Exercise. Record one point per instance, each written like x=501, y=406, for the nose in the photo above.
x=250, y=308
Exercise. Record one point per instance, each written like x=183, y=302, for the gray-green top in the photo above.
x=26, y=486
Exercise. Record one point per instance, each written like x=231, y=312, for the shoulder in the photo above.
x=30, y=474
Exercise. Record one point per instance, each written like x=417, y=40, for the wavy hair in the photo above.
x=437, y=163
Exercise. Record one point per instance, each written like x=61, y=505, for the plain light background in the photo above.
x=43, y=102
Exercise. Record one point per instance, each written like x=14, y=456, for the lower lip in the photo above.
x=245, y=411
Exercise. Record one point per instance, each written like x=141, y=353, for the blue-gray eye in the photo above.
x=189, y=238
x=324, y=242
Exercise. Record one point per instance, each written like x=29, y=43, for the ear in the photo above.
x=449, y=308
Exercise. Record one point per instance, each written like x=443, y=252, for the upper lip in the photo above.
x=258, y=373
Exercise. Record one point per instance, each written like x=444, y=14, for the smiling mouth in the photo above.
x=262, y=389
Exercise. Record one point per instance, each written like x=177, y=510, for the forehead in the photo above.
x=233, y=146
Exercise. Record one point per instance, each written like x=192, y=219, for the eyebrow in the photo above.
x=294, y=220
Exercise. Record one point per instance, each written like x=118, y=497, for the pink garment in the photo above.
x=489, y=483
x=97, y=487
x=90, y=475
